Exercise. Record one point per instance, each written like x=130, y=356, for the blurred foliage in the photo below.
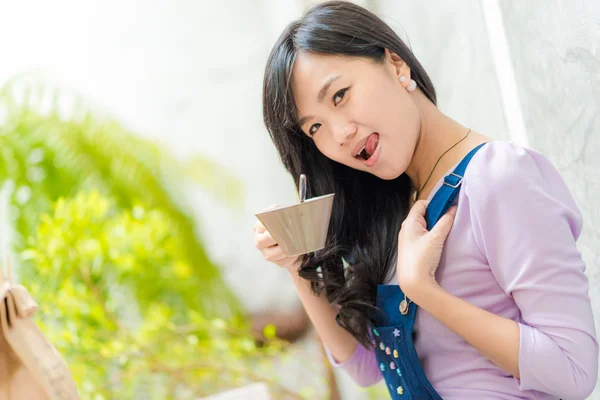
x=115, y=293
x=52, y=144
x=126, y=291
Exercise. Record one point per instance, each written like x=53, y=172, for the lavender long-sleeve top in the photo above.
x=511, y=251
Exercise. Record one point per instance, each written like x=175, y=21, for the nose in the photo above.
x=343, y=131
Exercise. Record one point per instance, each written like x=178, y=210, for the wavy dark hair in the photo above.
x=367, y=211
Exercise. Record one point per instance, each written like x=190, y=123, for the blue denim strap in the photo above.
x=447, y=193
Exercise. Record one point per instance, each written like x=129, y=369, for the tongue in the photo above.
x=372, y=142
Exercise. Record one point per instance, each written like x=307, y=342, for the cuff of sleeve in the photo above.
x=337, y=364
x=526, y=343
x=361, y=366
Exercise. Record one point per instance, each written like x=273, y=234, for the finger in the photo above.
x=26, y=306
x=274, y=254
x=259, y=227
x=416, y=215
x=443, y=226
x=419, y=209
x=264, y=240
x=20, y=299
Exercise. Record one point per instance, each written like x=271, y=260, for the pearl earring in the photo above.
x=411, y=86
x=402, y=79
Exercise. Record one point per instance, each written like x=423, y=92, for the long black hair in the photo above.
x=367, y=211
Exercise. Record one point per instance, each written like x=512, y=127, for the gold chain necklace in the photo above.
x=417, y=192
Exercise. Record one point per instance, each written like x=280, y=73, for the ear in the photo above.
x=397, y=64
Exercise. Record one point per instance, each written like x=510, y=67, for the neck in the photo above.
x=437, y=134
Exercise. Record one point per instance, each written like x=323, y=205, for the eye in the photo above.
x=313, y=129
x=339, y=96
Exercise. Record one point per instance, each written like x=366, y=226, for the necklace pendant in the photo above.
x=403, y=307
x=415, y=195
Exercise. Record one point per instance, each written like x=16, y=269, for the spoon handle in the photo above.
x=302, y=188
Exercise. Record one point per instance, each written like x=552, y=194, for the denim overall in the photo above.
x=393, y=329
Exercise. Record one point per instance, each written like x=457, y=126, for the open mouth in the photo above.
x=370, y=147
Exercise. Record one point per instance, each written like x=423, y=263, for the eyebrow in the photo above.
x=320, y=97
x=325, y=87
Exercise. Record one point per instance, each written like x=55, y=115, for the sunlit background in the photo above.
x=133, y=157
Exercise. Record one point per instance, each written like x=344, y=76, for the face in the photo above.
x=357, y=111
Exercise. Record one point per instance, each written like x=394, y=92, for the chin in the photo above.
x=388, y=175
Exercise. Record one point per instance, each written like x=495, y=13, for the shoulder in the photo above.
x=507, y=166
x=503, y=163
x=516, y=179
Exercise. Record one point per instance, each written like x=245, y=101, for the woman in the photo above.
x=504, y=311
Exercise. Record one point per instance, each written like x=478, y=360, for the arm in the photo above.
x=553, y=348
x=342, y=349
x=495, y=337
x=540, y=267
x=359, y=362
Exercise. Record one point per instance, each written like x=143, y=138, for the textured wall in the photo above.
x=555, y=49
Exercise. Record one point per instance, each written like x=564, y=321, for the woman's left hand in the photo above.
x=420, y=250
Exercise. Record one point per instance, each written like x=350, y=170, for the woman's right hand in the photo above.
x=271, y=251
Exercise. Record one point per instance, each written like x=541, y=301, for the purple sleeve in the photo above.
x=526, y=223
x=361, y=366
